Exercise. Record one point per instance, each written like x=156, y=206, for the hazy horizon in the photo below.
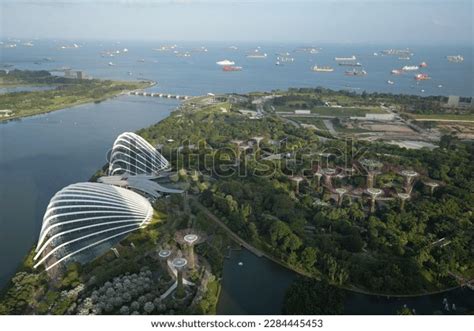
x=303, y=21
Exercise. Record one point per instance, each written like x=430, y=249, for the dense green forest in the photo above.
x=307, y=296
x=391, y=251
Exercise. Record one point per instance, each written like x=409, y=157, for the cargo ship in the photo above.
x=231, y=68
x=422, y=77
x=322, y=69
x=410, y=68
x=396, y=72
x=355, y=72
x=352, y=58
x=397, y=52
x=257, y=55
x=455, y=58
x=350, y=64
x=225, y=63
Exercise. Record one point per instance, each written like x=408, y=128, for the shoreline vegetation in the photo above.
x=65, y=92
x=393, y=248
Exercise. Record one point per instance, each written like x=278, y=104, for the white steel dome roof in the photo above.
x=84, y=220
x=134, y=155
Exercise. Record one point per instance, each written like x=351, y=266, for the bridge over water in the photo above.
x=160, y=95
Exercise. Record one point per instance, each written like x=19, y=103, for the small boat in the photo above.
x=111, y=64
x=423, y=64
x=396, y=72
x=390, y=82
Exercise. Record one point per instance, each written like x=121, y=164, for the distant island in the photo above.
x=57, y=93
x=312, y=179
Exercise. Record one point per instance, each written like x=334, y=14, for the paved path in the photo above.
x=442, y=120
x=330, y=127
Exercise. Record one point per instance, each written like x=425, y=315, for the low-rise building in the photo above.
x=374, y=117
x=302, y=112
x=6, y=113
x=248, y=112
x=455, y=101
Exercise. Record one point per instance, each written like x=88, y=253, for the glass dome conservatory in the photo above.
x=134, y=155
x=84, y=220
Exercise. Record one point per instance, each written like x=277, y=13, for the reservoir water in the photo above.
x=258, y=287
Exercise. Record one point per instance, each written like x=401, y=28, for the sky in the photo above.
x=335, y=21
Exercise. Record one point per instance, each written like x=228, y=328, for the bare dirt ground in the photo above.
x=396, y=128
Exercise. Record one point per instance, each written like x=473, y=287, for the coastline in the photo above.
x=107, y=96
